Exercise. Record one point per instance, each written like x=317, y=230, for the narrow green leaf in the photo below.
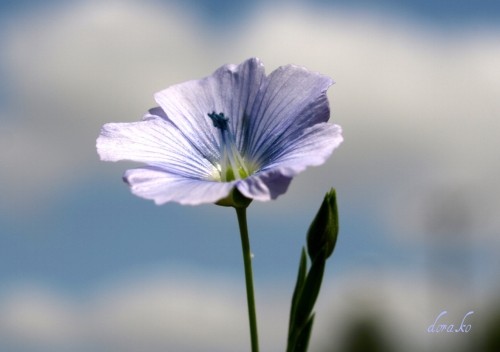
x=301, y=278
x=304, y=336
x=310, y=290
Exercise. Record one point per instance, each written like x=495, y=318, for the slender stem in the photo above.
x=247, y=260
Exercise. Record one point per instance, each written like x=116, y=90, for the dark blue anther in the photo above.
x=219, y=120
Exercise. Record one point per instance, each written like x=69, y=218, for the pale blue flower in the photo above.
x=237, y=128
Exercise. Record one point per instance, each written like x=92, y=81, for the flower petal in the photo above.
x=312, y=148
x=162, y=187
x=264, y=186
x=290, y=100
x=157, y=142
x=230, y=90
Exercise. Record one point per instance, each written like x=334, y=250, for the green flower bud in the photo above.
x=322, y=234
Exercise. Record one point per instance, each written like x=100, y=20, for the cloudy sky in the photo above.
x=84, y=265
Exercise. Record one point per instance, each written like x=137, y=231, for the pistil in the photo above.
x=231, y=165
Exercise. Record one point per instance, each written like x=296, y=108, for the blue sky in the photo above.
x=416, y=94
x=439, y=11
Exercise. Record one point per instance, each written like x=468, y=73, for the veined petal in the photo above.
x=162, y=187
x=265, y=185
x=311, y=148
x=230, y=90
x=291, y=99
x=157, y=142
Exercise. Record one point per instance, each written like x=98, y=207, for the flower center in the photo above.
x=231, y=164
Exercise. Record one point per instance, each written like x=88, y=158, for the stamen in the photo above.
x=231, y=165
x=219, y=120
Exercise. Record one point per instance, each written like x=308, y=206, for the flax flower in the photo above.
x=235, y=129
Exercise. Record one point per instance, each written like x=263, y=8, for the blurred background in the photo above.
x=86, y=266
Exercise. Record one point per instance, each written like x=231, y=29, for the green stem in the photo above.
x=247, y=260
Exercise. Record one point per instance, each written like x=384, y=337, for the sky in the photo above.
x=85, y=265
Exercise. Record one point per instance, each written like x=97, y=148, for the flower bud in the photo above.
x=322, y=234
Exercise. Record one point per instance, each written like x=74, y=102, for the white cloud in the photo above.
x=36, y=316
x=183, y=311
x=178, y=311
